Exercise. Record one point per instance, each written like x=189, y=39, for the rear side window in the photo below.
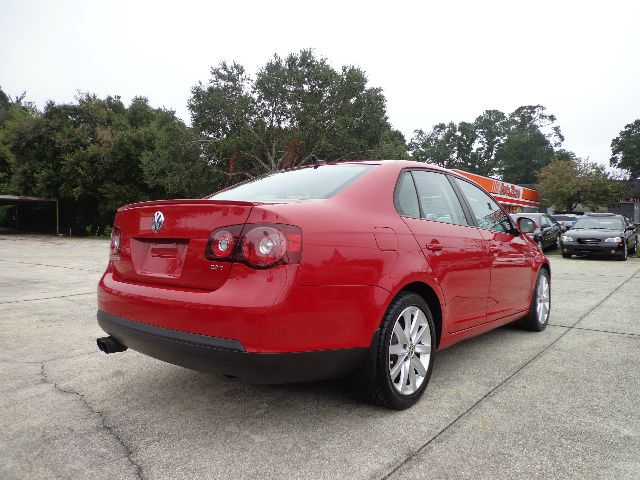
x=437, y=198
x=406, y=197
x=303, y=184
x=484, y=208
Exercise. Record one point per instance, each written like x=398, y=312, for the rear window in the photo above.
x=303, y=184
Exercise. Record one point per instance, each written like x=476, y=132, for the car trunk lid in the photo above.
x=172, y=253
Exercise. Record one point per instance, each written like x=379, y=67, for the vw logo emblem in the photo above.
x=157, y=222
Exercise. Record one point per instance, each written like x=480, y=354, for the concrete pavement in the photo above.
x=509, y=404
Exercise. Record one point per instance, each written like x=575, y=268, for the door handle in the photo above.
x=493, y=249
x=434, y=246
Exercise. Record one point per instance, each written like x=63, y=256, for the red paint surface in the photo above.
x=357, y=254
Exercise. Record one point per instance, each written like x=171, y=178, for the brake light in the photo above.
x=257, y=245
x=222, y=244
x=116, y=238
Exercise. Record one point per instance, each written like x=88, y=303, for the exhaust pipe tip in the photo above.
x=110, y=345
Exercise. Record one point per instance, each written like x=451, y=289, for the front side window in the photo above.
x=484, y=208
x=302, y=184
x=437, y=198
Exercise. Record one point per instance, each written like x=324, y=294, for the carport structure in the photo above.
x=34, y=213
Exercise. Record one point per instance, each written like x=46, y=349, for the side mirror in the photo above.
x=526, y=225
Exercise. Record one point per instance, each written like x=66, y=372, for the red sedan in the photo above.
x=361, y=269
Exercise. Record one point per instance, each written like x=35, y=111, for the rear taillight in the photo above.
x=257, y=245
x=116, y=239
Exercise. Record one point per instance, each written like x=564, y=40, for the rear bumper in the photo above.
x=264, y=310
x=228, y=356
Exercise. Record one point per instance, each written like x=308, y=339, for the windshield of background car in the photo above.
x=303, y=184
x=562, y=218
x=603, y=223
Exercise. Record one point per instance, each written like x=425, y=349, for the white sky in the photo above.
x=436, y=61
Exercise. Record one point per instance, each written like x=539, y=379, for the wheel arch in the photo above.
x=431, y=297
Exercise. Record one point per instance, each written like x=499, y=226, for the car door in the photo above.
x=452, y=245
x=511, y=254
x=546, y=231
x=630, y=234
x=554, y=230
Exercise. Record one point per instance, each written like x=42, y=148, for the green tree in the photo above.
x=294, y=108
x=625, y=149
x=437, y=146
x=564, y=184
x=529, y=144
x=514, y=147
x=95, y=155
x=491, y=129
x=560, y=185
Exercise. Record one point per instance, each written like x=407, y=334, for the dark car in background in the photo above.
x=601, y=234
x=567, y=220
x=547, y=232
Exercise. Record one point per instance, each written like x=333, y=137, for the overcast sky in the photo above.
x=435, y=61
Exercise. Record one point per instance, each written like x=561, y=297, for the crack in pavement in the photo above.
x=422, y=448
x=53, y=266
x=40, y=362
x=597, y=330
x=47, y=298
x=103, y=421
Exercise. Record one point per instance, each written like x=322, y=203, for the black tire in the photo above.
x=634, y=250
x=381, y=390
x=624, y=254
x=531, y=322
x=566, y=255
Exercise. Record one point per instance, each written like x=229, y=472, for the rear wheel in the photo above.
x=634, y=250
x=405, y=353
x=566, y=255
x=540, y=308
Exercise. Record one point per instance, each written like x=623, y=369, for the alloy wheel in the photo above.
x=409, y=350
x=543, y=301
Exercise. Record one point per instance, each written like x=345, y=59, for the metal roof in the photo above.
x=23, y=199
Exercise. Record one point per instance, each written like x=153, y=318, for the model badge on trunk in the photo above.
x=157, y=222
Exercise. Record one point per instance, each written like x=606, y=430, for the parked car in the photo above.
x=601, y=234
x=567, y=220
x=362, y=269
x=547, y=231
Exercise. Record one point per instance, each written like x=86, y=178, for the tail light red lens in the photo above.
x=223, y=244
x=257, y=245
x=116, y=239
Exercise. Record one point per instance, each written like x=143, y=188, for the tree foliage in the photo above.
x=625, y=150
x=293, y=108
x=514, y=147
x=95, y=155
x=569, y=181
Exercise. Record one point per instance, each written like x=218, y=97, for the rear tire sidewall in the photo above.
x=391, y=397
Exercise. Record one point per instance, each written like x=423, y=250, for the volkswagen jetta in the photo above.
x=362, y=269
